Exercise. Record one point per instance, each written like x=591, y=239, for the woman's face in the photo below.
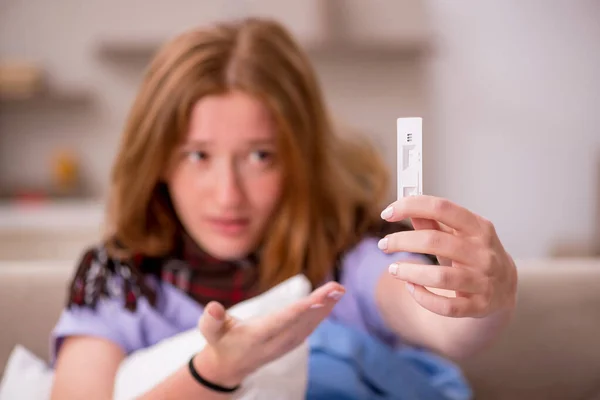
x=226, y=180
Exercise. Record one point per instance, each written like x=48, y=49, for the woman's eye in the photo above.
x=261, y=156
x=197, y=156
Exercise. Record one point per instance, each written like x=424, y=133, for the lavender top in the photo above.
x=175, y=312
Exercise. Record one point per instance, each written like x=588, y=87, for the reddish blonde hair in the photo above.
x=335, y=187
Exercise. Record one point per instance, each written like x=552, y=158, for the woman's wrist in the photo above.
x=207, y=364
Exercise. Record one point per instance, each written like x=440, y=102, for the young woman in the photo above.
x=230, y=179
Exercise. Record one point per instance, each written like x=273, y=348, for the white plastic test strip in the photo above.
x=410, y=156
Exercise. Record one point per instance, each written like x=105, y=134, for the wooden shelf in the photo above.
x=69, y=96
x=379, y=50
x=124, y=50
x=128, y=49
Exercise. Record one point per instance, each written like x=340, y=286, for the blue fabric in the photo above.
x=348, y=364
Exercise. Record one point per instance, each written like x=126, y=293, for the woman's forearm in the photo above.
x=463, y=337
x=181, y=384
x=455, y=338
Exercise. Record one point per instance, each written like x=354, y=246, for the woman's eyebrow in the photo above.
x=261, y=141
x=196, y=143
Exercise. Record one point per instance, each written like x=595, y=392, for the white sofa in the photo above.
x=550, y=351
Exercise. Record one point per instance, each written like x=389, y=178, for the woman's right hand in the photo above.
x=235, y=348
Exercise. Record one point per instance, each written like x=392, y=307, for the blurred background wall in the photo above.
x=509, y=91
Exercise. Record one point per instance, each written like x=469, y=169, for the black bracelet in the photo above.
x=210, y=385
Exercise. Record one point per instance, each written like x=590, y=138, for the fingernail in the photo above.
x=317, y=305
x=410, y=287
x=214, y=315
x=393, y=269
x=387, y=213
x=383, y=244
x=335, y=295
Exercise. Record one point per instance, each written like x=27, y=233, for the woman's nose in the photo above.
x=229, y=189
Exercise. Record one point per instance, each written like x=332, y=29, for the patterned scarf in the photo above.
x=207, y=278
x=199, y=275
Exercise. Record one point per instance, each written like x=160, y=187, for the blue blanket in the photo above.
x=347, y=364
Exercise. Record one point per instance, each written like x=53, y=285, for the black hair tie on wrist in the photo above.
x=210, y=385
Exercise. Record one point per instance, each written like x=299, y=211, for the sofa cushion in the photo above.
x=32, y=295
x=550, y=350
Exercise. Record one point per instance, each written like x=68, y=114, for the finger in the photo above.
x=326, y=298
x=425, y=224
x=326, y=295
x=430, y=242
x=287, y=339
x=455, y=307
x=429, y=224
x=212, y=322
x=437, y=209
x=434, y=276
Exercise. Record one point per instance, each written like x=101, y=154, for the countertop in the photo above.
x=63, y=214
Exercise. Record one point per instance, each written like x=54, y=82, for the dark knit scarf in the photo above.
x=196, y=273
x=207, y=278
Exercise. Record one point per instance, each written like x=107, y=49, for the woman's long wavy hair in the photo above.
x=335, y=187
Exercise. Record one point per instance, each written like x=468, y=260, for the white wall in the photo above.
x=513, y=130
x=516, y=91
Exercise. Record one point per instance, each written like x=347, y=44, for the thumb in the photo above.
x=212, y=322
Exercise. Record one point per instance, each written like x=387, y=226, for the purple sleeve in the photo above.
x=108, y=320
x=361, y=270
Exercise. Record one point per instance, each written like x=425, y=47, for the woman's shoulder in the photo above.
x=367, y=246
x=101, y=275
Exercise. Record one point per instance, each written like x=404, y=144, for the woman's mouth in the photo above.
x=229, y=226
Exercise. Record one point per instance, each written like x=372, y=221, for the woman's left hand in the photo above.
x=473, y=262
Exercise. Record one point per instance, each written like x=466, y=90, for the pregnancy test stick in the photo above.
x=410, y=160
